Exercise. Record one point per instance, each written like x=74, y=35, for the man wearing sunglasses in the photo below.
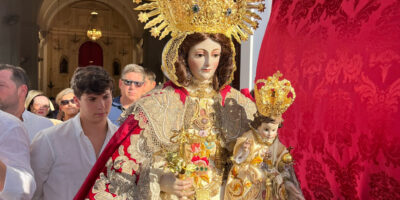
x=131, y=87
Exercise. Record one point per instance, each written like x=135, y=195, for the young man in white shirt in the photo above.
x=13, y=90
x=16, y=176
x=63, y=155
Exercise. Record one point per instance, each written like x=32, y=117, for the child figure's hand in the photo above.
x=243, y=152
x=247, y=145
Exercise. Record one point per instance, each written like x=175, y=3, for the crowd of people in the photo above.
x=43, y=140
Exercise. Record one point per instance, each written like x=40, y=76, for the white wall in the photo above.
x=250, y=50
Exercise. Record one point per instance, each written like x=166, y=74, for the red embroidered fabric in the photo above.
x=343, y=59
x=121, y=137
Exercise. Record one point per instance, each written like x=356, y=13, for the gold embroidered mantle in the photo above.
x=160, y=116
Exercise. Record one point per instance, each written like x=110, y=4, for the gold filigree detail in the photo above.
x=170, y=56
x=234, y=18
x=201, y=90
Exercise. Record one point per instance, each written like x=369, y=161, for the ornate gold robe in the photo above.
x=132, y=163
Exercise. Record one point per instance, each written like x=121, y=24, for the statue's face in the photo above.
x=268, y=131
x=203, y=59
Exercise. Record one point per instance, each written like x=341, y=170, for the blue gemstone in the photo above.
x=228, y=12
x=196, y=8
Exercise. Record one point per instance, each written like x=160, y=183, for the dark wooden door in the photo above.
x=90, y=53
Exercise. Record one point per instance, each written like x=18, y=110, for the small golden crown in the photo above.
x=273, y=99
x=229, y=17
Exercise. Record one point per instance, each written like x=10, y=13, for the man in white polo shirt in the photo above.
x=63, y=155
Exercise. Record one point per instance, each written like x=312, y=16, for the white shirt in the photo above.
x=34, y=123
x=14, y=153
x=61, y=157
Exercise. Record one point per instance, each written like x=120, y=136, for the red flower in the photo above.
x=197, y=159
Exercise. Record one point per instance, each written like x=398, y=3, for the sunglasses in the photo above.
x=129, y=83
x=66, y=102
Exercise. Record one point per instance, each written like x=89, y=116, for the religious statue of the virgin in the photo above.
x=176, y=141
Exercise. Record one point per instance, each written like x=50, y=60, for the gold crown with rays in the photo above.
x=273, y=98
x=230, y=17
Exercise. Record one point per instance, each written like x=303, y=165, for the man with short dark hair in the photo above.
x=13, y=90
x=63, y=155
x=131, y=87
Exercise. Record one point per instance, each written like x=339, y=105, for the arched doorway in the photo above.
x=90, y=53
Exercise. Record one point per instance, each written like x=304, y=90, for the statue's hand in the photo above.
x=180, y=187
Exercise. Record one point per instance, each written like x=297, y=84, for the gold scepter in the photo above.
x=268, y=189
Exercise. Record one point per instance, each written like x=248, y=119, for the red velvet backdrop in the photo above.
x=343, y=59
